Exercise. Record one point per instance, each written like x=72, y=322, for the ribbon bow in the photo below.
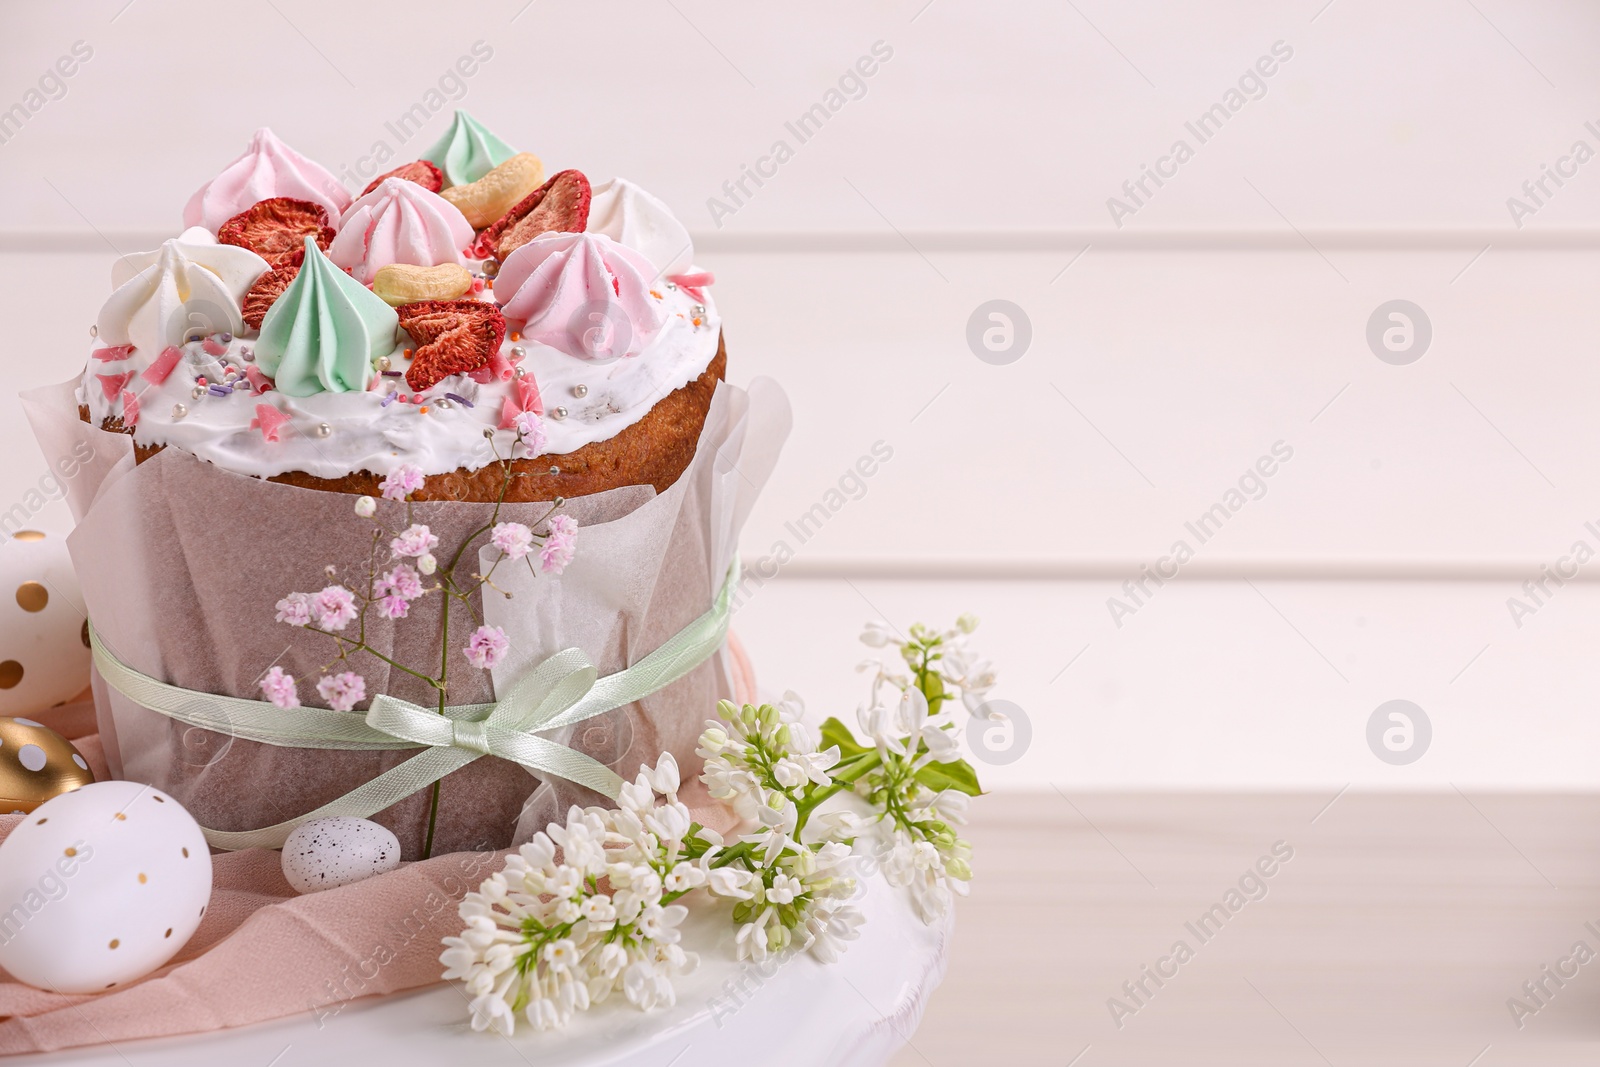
x=561, y=691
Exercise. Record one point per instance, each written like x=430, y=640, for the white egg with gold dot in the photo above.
x=99, y=887
x=44, y=639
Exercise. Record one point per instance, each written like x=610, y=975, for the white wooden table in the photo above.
x=1394, y=936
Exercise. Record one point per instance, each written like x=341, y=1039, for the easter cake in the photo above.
x=407, y=526
x=312, y=379
x=295, y=332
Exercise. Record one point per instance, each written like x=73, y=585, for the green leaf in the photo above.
x=835, y=732
x=933, y=689
x=958, y=776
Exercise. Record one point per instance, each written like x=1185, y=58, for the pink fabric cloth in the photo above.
x=262, y=952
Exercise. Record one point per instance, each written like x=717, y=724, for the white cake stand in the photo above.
x=800, y=1013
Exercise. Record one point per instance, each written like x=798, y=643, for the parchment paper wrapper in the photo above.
x=182, y=562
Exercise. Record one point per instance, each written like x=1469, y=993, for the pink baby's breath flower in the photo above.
x=403, y=581
x=414, y=540
x=342, y=691
x=295, y=609
x=560, y=544
x=486, y=647
x=393, y=606
x=278, y=688
x=405, y=480
x=530, y=430
x=512, y=538
x=334, y=607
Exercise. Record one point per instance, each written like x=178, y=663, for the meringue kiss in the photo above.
x=581, y=293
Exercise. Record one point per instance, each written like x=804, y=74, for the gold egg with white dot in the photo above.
x=36, y=763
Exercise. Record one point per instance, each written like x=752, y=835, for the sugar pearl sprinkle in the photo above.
x=179, y=411
x=323, y=429
x=559, y=414
x=580, y=390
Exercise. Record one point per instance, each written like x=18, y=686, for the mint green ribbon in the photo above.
x=561, y=691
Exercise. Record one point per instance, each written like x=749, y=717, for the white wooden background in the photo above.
x=1167, y=355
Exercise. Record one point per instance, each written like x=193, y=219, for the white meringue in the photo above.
x=239, y=268
x=176, y=295
x=400, y=222
x=635, y=219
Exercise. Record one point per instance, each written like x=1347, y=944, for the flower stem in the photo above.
x=444, y=669
x=844, y=777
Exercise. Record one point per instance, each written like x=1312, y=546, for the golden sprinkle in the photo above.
x=142, y=878
x=28, y=535
x=70, y=851
x=115, y=942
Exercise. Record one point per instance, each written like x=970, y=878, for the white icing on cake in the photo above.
x=366, y=435
x=332, y=434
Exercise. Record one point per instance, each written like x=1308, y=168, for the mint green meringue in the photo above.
x=323, y=333
x=467, y=151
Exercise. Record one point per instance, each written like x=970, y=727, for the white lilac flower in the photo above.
x=831, y=927
x=877, y=635
x=791, y=707
x=910, y=719
x=971, y=676
x=730, y=882
x=541, y=941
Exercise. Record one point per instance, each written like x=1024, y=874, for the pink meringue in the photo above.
x=400, y=222
x=582, y=293
x=267, y=168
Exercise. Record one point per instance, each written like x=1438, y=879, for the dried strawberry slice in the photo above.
x=422, y=172
x=265, y=292
x=453, y=337
x=276, y=229
x=559, y=205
